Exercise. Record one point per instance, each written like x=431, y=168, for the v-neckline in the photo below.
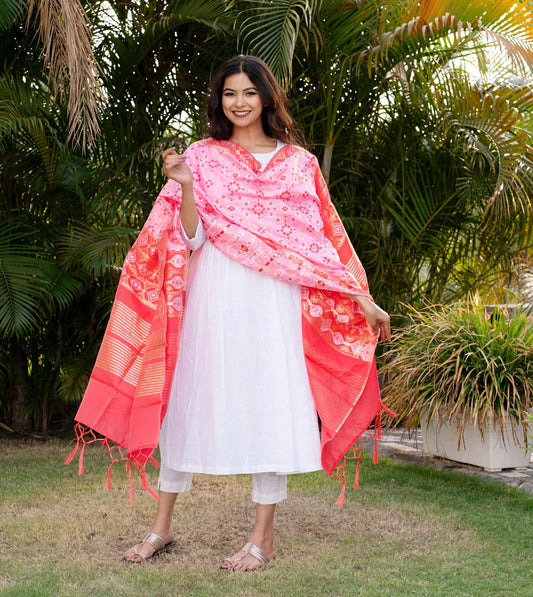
x=248, y=157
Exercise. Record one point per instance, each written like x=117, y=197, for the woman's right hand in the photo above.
x=175, y=167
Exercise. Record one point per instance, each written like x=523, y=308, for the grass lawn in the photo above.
x=409, y=531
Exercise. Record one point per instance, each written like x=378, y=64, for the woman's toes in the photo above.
x=230, y=563
x=247, y=564
x=139, y=552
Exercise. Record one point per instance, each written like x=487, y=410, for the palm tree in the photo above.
x=69, y=216
x=422, y=158
x=157, y=58
x=431, y=168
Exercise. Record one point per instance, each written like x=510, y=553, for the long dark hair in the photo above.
x=276, y=119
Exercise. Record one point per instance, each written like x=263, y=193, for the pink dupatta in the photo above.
x=280, y=222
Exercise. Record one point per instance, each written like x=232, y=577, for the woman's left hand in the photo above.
x=377, y=318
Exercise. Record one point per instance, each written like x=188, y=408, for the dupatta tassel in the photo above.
x=145, y=484
x=109, y=476
x=70, y=457
x=377, y=429
x=114, y=460
x=355, y=452
x=128, y=472
x=340, y=499
x=81, y=440
x=340, y=473
x=377, y=437
x=117, y=453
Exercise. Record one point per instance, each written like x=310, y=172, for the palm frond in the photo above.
x=417, y=36
x=65, y=289
x=424, y=210
x=490, y=10
x=9, y=9
x=74, y=376
x=25, y=279
x=488, y=123
x=64, y=32
x=507, y=24
x=22, y=109
x=271, y=30
x=147, y=33
x=96, y=250
x=345, y=27
x=213, y=13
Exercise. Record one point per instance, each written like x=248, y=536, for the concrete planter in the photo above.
x=488, y=452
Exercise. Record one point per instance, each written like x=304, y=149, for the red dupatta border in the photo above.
x=124, y=403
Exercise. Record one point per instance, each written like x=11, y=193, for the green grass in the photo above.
x=409, y=531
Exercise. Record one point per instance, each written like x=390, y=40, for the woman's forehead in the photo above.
x=238, y=81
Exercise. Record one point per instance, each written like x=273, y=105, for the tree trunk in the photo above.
x=19, y=391
x=326, y=161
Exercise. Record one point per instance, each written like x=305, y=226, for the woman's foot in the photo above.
x=150, y=547
x=252, y=556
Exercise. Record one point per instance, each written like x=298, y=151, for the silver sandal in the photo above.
x=157, y=542
x=249, y=548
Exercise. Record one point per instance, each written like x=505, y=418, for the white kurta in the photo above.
x=241, y=400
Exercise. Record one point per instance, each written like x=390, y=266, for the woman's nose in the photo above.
x=239, y=99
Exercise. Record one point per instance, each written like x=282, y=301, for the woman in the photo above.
x=277, y=320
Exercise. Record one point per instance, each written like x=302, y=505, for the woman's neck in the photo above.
x=254, y=141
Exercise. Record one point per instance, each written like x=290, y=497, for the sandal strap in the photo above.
x=138, y=553
x=155, y=540
x=256, y=552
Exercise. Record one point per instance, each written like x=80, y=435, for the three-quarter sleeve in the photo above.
x=197, y=240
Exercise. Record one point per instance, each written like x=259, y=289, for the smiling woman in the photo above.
x=277, y=322
x=242, y=107
x=250, y=76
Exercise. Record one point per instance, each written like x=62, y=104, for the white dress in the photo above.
x=240, y=401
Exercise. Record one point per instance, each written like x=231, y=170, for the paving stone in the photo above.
x=527, y=487
x=407, y=446
x=511, y=473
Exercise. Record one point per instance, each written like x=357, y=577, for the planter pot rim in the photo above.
x=493, y=421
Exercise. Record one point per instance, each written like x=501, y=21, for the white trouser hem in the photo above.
x=173, y=481
x=267, y=488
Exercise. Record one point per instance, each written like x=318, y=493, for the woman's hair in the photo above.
x=277, y=122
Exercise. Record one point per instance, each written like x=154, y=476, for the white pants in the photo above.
x=267, y=488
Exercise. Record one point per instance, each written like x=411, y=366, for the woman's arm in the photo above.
x=378, y=319
x=175, y=167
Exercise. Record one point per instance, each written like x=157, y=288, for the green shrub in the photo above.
x=460, y=365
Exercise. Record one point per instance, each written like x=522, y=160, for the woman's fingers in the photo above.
x=169, y=152
x=382, y=325
x=383, y=329
x=171, y=160
x=175, y=167
x=377, y=318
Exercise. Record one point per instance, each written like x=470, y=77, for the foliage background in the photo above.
x=419, y=111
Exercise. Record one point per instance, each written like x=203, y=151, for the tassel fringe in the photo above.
x=86, y=436
x=373, y=432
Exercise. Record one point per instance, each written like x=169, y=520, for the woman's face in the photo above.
x=241, y=102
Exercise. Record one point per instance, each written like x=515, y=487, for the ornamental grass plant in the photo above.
x=459, y=365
